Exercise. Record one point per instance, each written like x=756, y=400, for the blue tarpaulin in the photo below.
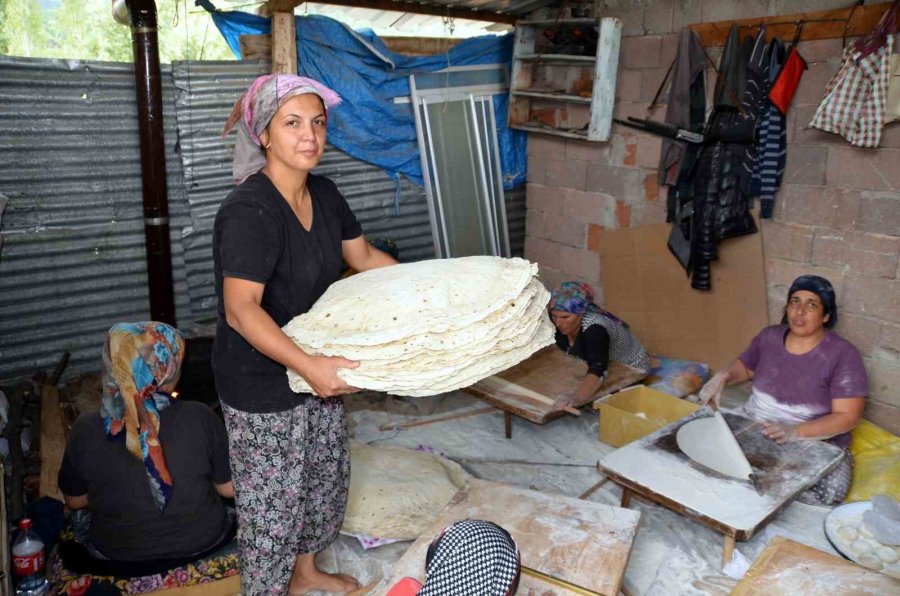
x=368, y=76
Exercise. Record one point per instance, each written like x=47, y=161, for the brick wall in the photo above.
x=837, y=213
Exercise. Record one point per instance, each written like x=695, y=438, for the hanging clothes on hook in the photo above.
x=788, y=78
x=768, y=169
x=854, y=102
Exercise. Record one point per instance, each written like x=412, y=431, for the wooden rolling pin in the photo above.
x=502, y=385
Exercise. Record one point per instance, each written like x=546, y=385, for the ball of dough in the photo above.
x=847, y=533
x=860, y=546
x=871, y=561
x=863, y=530
x=887, y=554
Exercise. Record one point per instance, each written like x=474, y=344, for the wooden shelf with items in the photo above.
x=564, y=77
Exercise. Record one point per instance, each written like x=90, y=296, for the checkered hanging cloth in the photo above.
x=855, y=98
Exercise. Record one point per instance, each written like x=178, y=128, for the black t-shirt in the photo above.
x=126, y=524
x=258, y=237
x=591, y=345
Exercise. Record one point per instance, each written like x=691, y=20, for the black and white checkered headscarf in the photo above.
x=472, y=558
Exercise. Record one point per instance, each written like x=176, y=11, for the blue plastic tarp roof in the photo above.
x=368, y=76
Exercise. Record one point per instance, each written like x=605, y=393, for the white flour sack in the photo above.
x=428, y=327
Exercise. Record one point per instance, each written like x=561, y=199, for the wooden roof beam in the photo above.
x=399, y=6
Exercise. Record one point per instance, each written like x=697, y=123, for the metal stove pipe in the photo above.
x=153, y=159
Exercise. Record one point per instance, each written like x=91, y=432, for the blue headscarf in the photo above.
x=578, y=298
x=822, y=288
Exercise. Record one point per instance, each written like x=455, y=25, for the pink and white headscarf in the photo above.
x=255, y=110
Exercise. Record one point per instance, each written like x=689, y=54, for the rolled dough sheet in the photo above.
x=710, y=442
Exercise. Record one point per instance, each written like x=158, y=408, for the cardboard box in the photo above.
x=636, y=412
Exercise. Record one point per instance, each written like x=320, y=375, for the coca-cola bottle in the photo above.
x=28, y=561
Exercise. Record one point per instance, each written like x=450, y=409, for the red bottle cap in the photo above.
x=24, y=524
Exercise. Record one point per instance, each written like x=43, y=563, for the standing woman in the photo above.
x=278, y=242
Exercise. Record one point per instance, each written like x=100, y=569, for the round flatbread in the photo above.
x=397, y=492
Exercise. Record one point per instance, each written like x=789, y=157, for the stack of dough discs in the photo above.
x=428, y=327
x=397, y=492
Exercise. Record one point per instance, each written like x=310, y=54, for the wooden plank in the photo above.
x=604, y=88
x=786, y=568
x=440, y=10
x=259, y=47
x=583, y=543
x=53, y=441
x=831, y=25
x=5, y=557
x=256, y=47
x=783, y=470
x=501, y=386
x=284, y=43
x=551, y=373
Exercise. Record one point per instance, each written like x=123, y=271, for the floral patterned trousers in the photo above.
x=291, y=472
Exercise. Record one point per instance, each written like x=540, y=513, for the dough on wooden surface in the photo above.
x=710, y=442
x=397, y=492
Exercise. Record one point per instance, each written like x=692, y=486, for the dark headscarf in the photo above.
x=822, y=288
x=472, y=558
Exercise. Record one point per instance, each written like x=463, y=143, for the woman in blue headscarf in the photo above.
x=586, y=331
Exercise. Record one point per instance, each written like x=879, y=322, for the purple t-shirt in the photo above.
x=793, y=388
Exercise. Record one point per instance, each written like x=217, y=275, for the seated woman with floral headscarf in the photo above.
x=592, y=334
x=150, y=469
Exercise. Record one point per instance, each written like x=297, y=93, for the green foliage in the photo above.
x=86, y=30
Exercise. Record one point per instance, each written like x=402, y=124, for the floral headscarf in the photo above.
x=142, y=363
x=578, y=298
x=255, y=110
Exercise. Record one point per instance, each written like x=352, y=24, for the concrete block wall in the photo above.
x=837, y=213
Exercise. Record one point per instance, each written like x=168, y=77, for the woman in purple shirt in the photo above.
x=808, y=382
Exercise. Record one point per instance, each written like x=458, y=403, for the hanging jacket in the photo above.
x=768, y=168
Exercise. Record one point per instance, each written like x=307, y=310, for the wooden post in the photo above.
x=53, y=441
x=626, y=497
x=284, y=43
x=727, y=549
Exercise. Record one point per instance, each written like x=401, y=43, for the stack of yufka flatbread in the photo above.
x=428, y=327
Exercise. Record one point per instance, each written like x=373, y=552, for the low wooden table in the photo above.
x=550, y=373
x=575, y=542
x=787, y=568
x=783, y=472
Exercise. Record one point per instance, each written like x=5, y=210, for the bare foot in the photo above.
x=325, y=582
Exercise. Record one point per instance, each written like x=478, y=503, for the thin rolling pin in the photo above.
x=499, y=384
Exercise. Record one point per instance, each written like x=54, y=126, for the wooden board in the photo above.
x=646, y=286
x=284, y=43
x=831, y=24
x=783, y=472
x=788, y=568
x=53, y=442
x=551, y=373
x=581, y=542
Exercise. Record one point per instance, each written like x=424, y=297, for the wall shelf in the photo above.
x=550, y=55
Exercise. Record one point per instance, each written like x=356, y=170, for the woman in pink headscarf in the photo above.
x=278, y=243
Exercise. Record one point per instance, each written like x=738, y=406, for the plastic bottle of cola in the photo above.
x=28, y=561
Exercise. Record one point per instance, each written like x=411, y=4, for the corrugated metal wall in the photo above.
x=73, y=259
x=72, y=263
